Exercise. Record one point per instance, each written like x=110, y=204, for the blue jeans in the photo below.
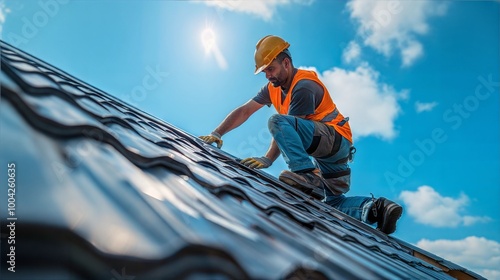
x=293, y=136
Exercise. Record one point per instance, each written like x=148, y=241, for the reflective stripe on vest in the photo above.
x=326, y=112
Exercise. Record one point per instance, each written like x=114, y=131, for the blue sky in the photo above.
x=418, y=79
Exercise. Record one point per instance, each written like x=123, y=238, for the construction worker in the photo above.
x=310, y=132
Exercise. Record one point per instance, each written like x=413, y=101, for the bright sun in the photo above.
x=211, y=46
x=208, y=39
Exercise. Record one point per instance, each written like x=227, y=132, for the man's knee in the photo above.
x=277, y=120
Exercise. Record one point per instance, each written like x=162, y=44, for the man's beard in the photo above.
x=276, y=82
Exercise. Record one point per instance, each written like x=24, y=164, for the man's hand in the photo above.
x=257, y=162
x=214, y=137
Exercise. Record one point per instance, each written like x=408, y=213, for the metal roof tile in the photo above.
x=111, y=187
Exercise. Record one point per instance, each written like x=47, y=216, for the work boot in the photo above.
x=306, y=182
x=386, y=213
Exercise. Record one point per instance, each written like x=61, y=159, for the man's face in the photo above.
x=276, y=73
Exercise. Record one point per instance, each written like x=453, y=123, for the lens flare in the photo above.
x=208, y=39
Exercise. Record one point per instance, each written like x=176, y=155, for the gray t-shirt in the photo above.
x=306, y=97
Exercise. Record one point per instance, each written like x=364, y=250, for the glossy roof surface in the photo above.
x=107, y=191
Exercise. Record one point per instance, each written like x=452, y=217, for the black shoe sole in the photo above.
x=392, y=214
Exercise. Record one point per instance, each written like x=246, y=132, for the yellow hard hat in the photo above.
x=266, y=50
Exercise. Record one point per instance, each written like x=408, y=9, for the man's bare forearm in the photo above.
x=273, y=152
x=237, y=117
x=232, y=121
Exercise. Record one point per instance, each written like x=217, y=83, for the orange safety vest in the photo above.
x=325, y=108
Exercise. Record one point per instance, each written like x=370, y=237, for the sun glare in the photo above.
x=208, y=39
x=212, y=49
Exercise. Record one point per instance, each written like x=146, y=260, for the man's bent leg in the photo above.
x=369, y=210
x=293, y=136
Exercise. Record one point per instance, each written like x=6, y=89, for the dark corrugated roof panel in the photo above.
x=106, y=191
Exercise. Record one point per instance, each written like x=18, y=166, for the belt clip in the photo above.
x=352, y=151
x=342, y=122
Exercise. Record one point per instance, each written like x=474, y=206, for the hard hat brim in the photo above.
x=258, y=70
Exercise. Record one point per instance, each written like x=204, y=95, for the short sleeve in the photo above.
x=263, y=97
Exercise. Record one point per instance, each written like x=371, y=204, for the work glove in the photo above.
x=257, y=162
x=213, y=137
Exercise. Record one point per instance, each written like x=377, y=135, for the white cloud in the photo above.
x=351, y=52
x=470, y=220
x=371, y=106
x=389, y=26
x=423, y=107
x=261, y=8
x=474, y=253
x=411, y=52
x=428, y=207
